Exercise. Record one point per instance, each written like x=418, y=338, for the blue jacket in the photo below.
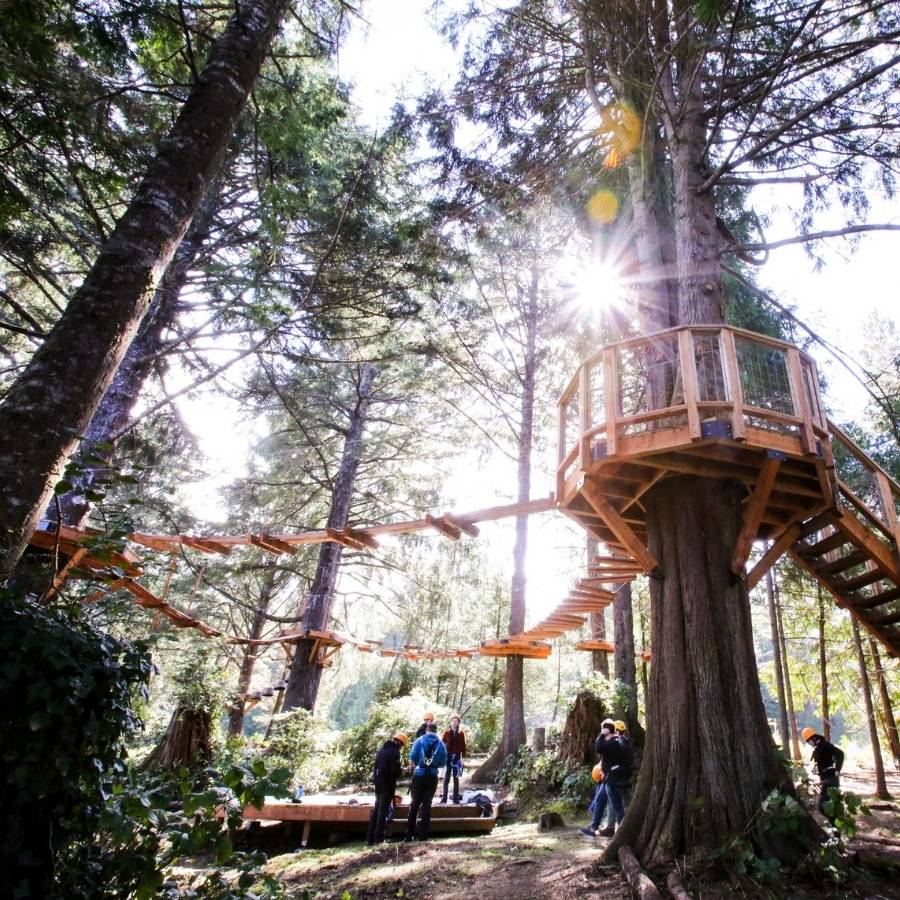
x=429, y=745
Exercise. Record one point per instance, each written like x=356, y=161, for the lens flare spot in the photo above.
x=603, y=207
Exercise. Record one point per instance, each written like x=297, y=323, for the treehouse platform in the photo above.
x=331, y=812
x=721, y=402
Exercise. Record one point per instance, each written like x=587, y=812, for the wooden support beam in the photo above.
x=462, y=524
x=354, y=539
x=601, y=646
x=272, y=545
x=440, y=523
x=688, y=365
x=771, y=556
x=801, y=401
x=733, y=380
x=619, y=527
x=60, y=578
x=753, y=512
x=611, y=399
x=205, y=545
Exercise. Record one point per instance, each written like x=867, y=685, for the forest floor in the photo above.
x=518, y=862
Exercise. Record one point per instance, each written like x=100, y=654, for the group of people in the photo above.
x=612, y=775
x=428, y=755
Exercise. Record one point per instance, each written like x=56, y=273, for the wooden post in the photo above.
x=753, y=511
x=889, y=511
x=611, y=398
x=584, y=396
x=689, y=381
x=801, y=401
x=733, y=377
x=561, y=409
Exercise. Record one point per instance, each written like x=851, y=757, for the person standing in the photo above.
x=426, y=758
x=615, y=763
x=428, y=717
x=827, y=763
x=455, y=741
x=385, y=774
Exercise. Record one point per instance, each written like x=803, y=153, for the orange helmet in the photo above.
x=807, y=733
x=401, y=738
x=597, y=773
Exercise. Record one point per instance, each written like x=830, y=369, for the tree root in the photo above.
x=675, y=886
x=640, y=882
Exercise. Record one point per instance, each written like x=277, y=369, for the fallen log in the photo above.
x=640, y=882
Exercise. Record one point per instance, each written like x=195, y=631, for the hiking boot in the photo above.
x=609, y=831
x=587, y=832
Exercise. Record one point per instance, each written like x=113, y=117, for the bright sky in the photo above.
x=392, y=57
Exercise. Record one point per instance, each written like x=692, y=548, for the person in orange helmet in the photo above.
x=827, y=762
x=428, y=717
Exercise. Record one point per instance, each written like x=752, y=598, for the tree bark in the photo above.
x=709, y=759
x=53, y=400
x=599, y=659
x=881, y=791
x=513, y=735
x=248, y=660
x=625, y=666
x=783, y=729
x=582, y=726
x=888, y=721
x=186, y=743
x=114, y=411
x=306, y=669
x=788, y=686
x=823, y=670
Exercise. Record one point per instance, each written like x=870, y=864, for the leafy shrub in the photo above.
x=483, y=724
x=66, y=691
x=358, y=746
x=300, y=743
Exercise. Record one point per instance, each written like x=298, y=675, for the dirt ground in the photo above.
x=517, y=862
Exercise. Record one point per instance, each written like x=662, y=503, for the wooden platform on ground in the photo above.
x=339, y=813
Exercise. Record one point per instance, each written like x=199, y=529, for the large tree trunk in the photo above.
x=248, y=660
x=887, y=708
x=599, y=659
x=788, y=684
x=576, y=745
x=513, y=735
x=306, y=669
x=53, y=400
x=115, y=409
x=823, y=670
x=881, y=791
x=783, y=729
x=625, y=667
x=709, y=759
x=186, y=743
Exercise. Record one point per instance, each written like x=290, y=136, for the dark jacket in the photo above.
x=615, y=759
x=421, y=729
x=455, y=742
x=387, y=765
x=827, y=759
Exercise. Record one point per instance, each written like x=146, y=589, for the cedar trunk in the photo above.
x=823, y=671
x=783, y=729
x=306, y=669
x=887, y=708
x=513, y=735
x=881, y=791
x=625, y=668
x=709, y=759
x=57, y=394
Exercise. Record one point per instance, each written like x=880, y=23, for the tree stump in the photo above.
x=186, y=742
x=539, y=740
x=581, y=729
x=550, y=820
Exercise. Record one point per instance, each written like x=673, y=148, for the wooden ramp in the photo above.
x=331, y=812
x=720, y=402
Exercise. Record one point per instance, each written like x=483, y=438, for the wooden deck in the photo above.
x=721, y=402
x=338, y=813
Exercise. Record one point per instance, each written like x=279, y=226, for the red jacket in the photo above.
x=455, y=741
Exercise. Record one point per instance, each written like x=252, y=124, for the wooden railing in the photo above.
x=666, y=386
x=864, y=488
